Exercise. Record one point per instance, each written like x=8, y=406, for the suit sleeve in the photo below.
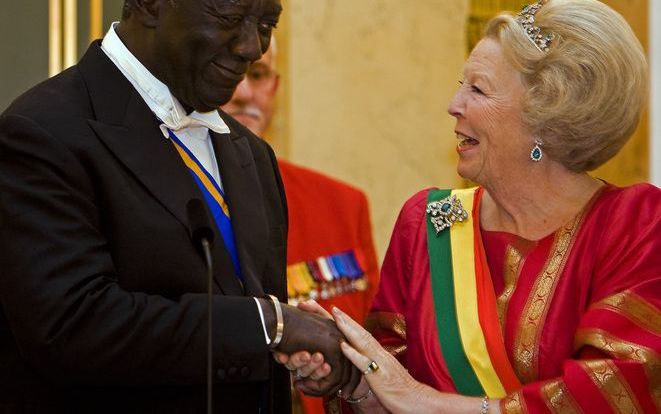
x=281, y=192
x=60, y=292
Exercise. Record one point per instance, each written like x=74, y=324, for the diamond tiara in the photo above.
x=526, y=19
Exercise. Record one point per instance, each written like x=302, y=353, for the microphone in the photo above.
x=202, y=237
x=199, y=224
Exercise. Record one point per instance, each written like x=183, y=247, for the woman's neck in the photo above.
x=538, y=205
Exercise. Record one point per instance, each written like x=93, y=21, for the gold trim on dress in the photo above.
x=558, y=399
x=513, y=404
x=526, y=344
x=395, y=350
x=378, y=323
x=617, y=347
x=513, y=265
x=622, y=349
x=387, y=321
x=615, y=389
x=633, y=307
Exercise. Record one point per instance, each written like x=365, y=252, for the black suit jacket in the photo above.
x=103, y=294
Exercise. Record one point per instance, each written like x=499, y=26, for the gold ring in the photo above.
x=372, y=367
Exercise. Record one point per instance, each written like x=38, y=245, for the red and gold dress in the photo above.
x=579, y=309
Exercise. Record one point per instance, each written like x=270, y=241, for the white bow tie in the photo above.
x=209, y=120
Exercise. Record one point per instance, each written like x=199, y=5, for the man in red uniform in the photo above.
x=330, y=252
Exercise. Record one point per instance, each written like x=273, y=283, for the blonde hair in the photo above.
x=585, y=95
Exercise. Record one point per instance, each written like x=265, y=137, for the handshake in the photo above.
x=309, y=330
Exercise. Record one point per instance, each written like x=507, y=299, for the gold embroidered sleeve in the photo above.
x=389, y=329
x=616, y=365
x=625, y=327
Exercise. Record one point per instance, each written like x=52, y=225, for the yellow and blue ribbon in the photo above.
x=214, y=197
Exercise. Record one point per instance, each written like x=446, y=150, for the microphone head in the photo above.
x=198, y=221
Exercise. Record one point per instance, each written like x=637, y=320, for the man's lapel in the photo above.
x=131, y=132
x=243, y=191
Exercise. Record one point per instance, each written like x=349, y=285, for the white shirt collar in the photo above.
x=155, y=93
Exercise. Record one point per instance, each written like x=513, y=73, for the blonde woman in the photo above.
x=539, y=290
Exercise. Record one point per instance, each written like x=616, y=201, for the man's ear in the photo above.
x=147, y=11
x=276, y=84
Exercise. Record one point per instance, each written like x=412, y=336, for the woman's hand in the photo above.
x=391, y=382
x=395, y=389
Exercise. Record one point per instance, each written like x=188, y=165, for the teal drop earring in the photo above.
x=536, y=154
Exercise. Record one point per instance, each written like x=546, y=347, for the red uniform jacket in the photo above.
x=327, y=217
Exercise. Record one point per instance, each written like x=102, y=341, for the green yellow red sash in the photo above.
x=465, y=303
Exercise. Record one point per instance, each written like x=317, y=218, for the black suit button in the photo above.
x=220, y=374
x=232, y=372
x=245, y=372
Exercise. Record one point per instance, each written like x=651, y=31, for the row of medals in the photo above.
x=325, y=277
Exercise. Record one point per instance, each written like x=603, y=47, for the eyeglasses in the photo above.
x=260, y=74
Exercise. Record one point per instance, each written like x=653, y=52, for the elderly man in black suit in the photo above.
x=103, y=293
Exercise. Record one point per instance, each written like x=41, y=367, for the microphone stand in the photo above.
x=206, y=248
x=202, y=237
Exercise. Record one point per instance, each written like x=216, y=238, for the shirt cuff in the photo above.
x=261, y=318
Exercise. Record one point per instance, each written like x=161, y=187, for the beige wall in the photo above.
x=631, y=165
x=364, y=91
x=367, y=85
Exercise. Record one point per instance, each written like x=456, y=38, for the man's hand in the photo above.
x=312, y=333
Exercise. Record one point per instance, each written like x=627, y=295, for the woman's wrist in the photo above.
x=352, y=399
x=361, y=390
x=361, y=397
